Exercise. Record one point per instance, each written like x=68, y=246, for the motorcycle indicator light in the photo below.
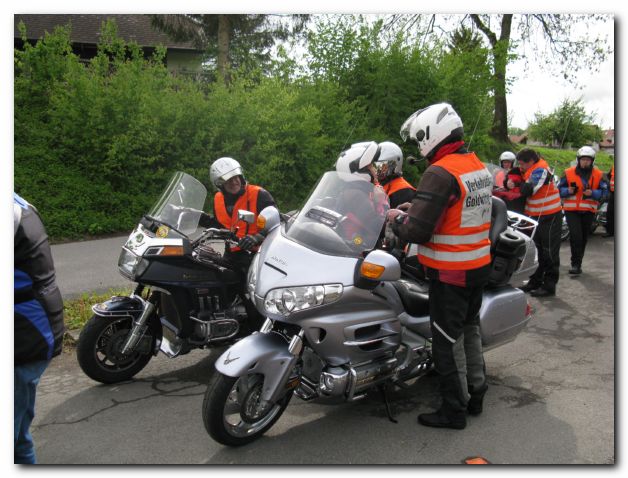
x=261, y=222
x=172, y=251
x=371, y=271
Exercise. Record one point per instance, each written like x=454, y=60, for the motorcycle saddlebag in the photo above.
x=503, y=315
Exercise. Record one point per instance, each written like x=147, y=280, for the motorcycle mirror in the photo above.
x=268, y=219
x=246, y=216
x=380, y=266
x=413, y=161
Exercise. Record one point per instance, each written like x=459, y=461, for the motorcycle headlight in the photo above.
x=127, y=263
x=251, y=278
x=293, y=299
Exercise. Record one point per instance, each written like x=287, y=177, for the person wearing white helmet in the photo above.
x=234, y=193
x=581, y=187
x=450, y=218
x=356, y=167
x=389, y=167
x=509, y=172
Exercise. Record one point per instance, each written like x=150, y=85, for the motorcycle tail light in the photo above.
x=528, y=309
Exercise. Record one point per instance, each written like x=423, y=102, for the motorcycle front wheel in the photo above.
x=98, y=350
x=234, y=413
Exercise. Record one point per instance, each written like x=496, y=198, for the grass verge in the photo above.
x=78, y=311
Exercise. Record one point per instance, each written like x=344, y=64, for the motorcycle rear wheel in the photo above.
x=98, y=350
x=233, y=413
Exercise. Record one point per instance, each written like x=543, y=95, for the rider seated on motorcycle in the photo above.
x=235, y=193
x=390, y=176
x=356, y=166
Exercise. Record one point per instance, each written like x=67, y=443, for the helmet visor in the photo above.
x=406, y=127
x=227, y=176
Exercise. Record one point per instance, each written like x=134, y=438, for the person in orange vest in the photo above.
x=610, y=211
x=389, y=167
x=450, y=218
x=235, y=193
x=511, y=196
x=542, y=205
x=582, y=187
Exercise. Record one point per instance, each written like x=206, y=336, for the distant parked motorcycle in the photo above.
x=187, y=295
x=343, y=316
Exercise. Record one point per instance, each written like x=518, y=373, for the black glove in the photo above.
x=249, y=242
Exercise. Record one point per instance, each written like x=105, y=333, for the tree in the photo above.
x=567, y=124
x=232, y=40
x=506, y=33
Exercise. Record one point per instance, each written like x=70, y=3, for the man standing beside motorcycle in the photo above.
x=235, y=193
x=450, y=218
x=582, y=188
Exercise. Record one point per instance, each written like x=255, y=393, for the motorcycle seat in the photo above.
x=414, y=296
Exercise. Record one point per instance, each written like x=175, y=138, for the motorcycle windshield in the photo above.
x=181, y=204
x=343, y=216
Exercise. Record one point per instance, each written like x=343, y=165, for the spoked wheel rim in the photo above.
x=245, y=413
x=108, y=346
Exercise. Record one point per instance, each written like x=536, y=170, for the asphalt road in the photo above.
x=88, y=266
x=551, y=401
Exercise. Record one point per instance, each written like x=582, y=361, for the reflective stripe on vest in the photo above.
x=396, y=185
x=248, y=202
x=461, y=241
x=577, y=202
x=612, y=181
x=546, y=200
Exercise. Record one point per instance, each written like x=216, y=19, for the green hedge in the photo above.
x=95, y=144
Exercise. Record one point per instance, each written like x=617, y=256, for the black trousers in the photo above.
x=547, y=240
x=457, y=343
x=610, y=214
x=579, y=228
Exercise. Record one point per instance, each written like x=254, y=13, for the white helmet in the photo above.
x=432, y=127
x=390, y=161
x=224, y=169
x=507, y=156
x=586, y=151
x=353, y=163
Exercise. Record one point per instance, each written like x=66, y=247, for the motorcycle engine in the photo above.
x=214, y=324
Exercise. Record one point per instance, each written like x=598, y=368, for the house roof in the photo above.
x=86, y=29
x=518, y=138
x=609, y=138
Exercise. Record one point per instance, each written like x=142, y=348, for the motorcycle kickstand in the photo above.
x=383, y=389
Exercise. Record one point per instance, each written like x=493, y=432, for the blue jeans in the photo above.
x=25, y=380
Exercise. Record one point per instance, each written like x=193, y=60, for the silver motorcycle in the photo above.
x=343, y=315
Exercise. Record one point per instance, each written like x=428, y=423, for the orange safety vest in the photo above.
x=546, y=200
x=578, y=202
x=247, y=201
x=461, y=240
x=396, y=185
x=612, y=186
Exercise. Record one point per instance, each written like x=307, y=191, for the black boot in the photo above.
x=575, y=270
x=440, y=419
x=474, y=406
x=530, y=286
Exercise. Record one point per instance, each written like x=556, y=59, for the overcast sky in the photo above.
x=540, y=92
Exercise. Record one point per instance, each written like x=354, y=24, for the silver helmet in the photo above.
x=224, y=169
x=390, y=162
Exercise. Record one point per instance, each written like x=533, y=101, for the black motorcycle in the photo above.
x=188, y=295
